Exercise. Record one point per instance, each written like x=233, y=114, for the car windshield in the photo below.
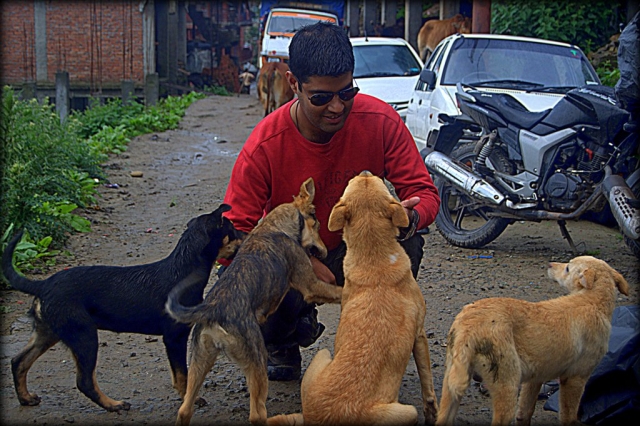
x=384, y=60
x=517, y=64
x=287, y=23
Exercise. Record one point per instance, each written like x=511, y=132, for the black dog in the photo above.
x=72, y=305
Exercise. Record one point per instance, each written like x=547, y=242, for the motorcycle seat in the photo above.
x=512, y=110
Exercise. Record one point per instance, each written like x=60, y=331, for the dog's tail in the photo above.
x=457, y=376
x=286, y=420
x=16, y=280
x=185, y=314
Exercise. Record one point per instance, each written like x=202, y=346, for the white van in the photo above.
x=281, y=25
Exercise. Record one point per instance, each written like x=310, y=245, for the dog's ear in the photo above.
x=586, y=278
x=621, y=283
x=398, y=216
x=338, y=217
x=215, y=217
x=307, y=191
x=221, y=209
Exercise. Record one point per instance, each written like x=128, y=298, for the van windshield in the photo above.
x=284, y=23
x=517, y=64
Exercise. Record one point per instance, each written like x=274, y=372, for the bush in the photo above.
x=585, y=24
x=48, y=169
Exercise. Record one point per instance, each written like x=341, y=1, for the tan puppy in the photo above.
x=381, y=322
x=508, y=342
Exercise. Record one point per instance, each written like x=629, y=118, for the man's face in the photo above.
x=319, y=122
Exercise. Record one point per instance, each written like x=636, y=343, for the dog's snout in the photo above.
x=366, y=173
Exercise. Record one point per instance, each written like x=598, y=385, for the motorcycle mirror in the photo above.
x=464, y=95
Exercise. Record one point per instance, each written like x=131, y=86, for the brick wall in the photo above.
x=17, y=42
x=99, y=42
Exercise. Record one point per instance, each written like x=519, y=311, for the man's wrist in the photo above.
x=410, y=231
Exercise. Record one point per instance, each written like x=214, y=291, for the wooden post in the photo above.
x=481, y=19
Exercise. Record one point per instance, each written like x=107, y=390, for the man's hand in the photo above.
x=322, y=272
x=409, y=204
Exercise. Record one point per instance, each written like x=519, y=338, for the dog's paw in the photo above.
x=430, y=412
x=200, y=402
x=119, y=406
x=31, y=400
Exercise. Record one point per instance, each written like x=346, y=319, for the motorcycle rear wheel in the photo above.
x=461, y=220
x=634, y=245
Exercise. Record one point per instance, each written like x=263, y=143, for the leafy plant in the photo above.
x=110, y=139
x=608, y=74
x=217, y=90
x=585, y=24
x=61, y=212
x=29, y=254
x=45, y=162
x=48, y=169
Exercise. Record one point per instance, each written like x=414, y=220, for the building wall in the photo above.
x=17, y=41
x=98, y=42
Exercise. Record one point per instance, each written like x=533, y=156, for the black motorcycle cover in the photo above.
x=612, y=394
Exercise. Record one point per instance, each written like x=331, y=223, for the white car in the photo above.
x=537, y=72
x=386, y=68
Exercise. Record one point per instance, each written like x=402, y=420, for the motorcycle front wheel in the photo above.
x=461, y=220
x=634, y=245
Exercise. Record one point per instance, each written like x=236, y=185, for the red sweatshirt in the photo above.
x=276, y=159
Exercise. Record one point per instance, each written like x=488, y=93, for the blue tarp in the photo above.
x=612, y=394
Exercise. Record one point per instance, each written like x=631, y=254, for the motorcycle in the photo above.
x=498, y=162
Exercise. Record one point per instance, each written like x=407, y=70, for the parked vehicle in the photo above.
x=536, y=72
x=281, y=25
x=386, y=68
x=556, y=164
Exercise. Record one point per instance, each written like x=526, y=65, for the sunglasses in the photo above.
x=320, y=99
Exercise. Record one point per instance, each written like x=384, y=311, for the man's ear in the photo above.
x=292, y=80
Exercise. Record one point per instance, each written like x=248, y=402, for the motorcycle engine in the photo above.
x=563, y=191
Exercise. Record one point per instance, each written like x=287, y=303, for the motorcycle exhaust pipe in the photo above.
x=446, y=168
x=618, y=193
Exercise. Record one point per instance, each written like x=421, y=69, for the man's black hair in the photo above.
x=322, y=50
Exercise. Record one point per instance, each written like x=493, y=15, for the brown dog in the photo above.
x=508, y=342
x=381, y=322
x=273, y=258
x=273, y=88
x=434, y=31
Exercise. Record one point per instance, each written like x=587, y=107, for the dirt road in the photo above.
x=185, y=173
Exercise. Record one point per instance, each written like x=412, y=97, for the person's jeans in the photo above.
x=295, y=321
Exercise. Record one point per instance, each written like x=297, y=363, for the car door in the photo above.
x=420, y=102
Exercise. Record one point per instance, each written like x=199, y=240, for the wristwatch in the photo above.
x=410, y=230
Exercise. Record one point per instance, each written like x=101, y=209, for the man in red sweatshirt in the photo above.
x=331, y=133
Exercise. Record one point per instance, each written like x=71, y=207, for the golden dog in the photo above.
x=381, y=321
x=508, y=342
x=273, y=258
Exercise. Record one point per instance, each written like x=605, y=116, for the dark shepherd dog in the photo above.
x=73, y=304
x=273, y=258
